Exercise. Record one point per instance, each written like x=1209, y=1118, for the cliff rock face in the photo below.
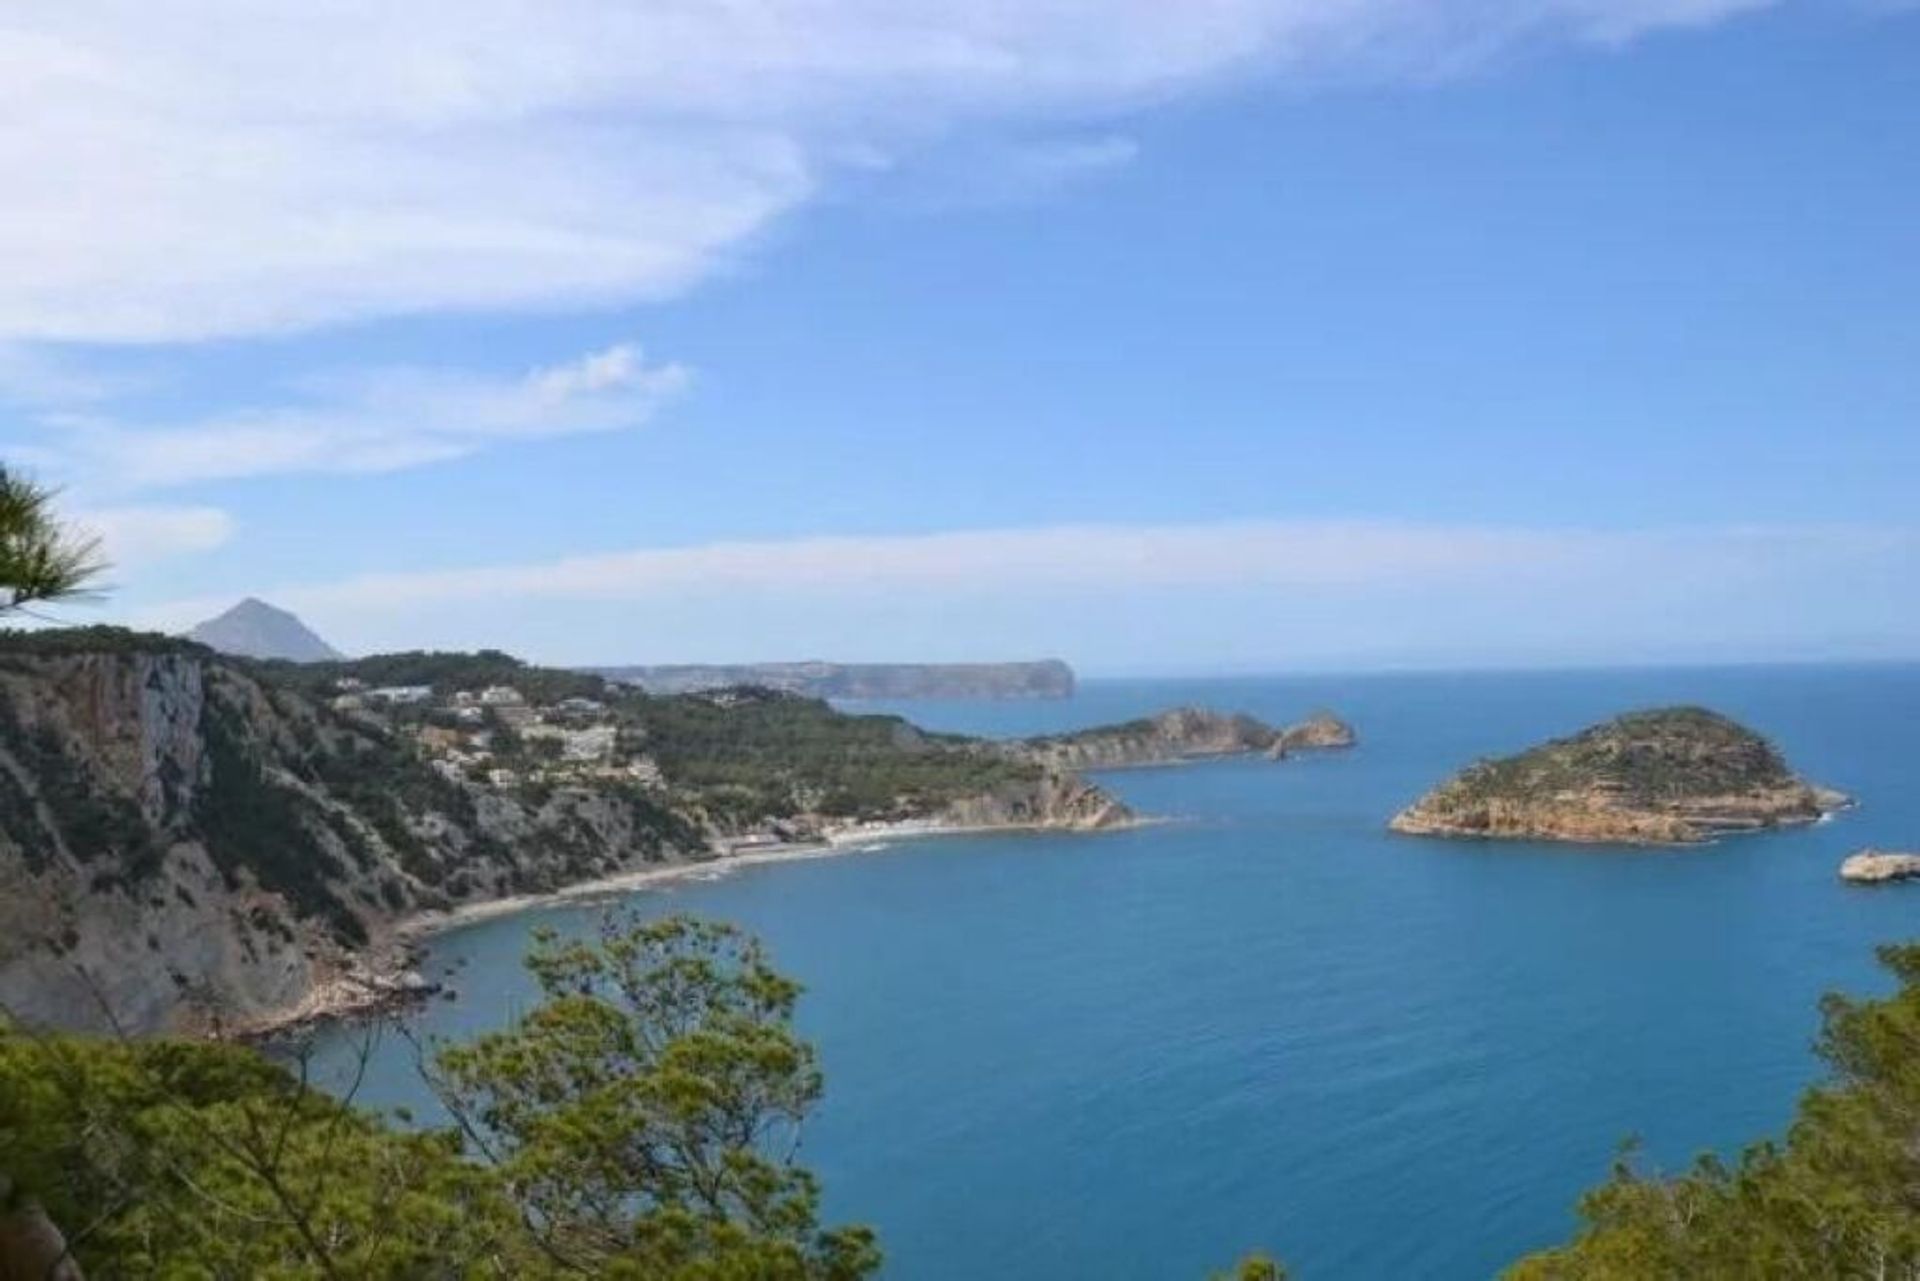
x=185, y=842
x=1047, y=678
x=179, y=842
x=1320, y=732
x=1876, y=867
x=1051, y=800
x=1185, y=733
x=1668, y=776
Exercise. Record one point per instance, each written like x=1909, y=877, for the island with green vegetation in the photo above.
x=1668, y=776
x=1182, y=734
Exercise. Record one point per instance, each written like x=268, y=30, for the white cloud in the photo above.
x=142, y=535
x=378, y=420
x=205, y=168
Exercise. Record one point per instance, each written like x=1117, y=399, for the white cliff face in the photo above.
x=114, y=915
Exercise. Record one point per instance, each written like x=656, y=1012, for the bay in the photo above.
x=1268, y=1022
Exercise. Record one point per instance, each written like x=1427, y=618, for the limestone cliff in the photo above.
x=180, y=841
x=1050, y=800
x=1667, y=776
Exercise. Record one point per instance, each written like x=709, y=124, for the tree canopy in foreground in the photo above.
x=41, y=560
x=640, y=1121
x=1838, y=1198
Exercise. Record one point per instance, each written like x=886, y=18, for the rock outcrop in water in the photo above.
x=1668, y=776
x=1877, y=867
x=1320, y=732
x=184, y=838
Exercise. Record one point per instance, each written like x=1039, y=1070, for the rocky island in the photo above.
x=1320, y=732
x=1667, y=776
x=1182, y=734
x=1877, y=867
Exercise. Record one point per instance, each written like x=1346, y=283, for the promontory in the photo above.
x=1666, y=776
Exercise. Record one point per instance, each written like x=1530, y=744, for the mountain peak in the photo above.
x=255, y=629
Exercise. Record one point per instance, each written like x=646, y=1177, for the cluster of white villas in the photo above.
x=587, y=738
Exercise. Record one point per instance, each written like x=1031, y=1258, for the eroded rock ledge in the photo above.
x=1669, y=776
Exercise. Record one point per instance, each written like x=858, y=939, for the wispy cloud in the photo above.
x=133, y=536
x=377, y=420
x=204, y=168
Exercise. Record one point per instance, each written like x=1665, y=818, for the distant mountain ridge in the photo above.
x=1046, y=678
x=255, y=629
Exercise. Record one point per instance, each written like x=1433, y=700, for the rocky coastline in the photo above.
x=195, y=844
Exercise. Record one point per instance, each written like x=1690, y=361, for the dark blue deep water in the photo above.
x=1270, y=1023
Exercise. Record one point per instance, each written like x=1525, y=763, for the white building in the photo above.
x=400, y=694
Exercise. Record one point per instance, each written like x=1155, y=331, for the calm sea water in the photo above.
x=1271, y=1023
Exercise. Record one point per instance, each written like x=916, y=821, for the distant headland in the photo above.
x=1044, y=678
x=1668, y=776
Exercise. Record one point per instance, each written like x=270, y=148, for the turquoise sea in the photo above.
x=1270, y=1023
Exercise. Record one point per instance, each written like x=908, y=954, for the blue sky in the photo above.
x=1236, y=335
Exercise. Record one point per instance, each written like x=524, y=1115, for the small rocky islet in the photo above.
x=1880, y=867
x=1666, y=776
